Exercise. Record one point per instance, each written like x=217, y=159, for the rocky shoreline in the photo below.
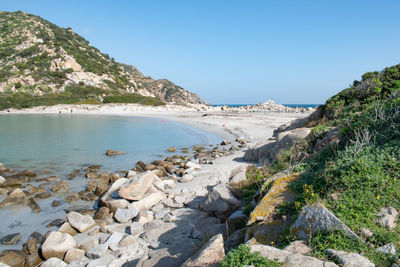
x=157, y=214
x=136, y=211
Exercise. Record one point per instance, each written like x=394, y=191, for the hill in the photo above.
x=348, y=163
x=41, y=63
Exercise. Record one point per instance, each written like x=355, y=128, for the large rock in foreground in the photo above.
x=211, y=254
x=348, y=259
x=220, y=200
x=316, y=218
x=148, y=202
x=138, y=187
x=270, y=150
x=53, y=262
x=57, y=244
x=80, y=222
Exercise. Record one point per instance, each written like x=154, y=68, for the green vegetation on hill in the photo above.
x=74, y=95
x=39, y=61
x=356, y=177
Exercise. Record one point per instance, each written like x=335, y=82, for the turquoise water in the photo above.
x=60, y=143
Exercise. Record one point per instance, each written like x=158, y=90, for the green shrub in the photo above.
x=242, y=256
x=339, y=241
x=133, y=98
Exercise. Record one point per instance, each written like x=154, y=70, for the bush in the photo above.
x=133, y=98
x=242, y=256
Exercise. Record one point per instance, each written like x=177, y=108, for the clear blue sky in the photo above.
x=238, y=51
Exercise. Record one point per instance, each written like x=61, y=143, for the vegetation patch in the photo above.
x=133, y=98
x=242, y=256
x=354, y=178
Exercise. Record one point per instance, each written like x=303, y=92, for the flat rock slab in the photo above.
x=148, y=201
x=124, y=215
x=346, y=259
x=110, y=152
x=100, y=262
x=298, y=246
x=288, y=258
x=80, y=222
x=53, y=262
x=211, y=254
x=113, y=241
x=10, y=239
x=316, y=218
x=278, y=193
x=97, y=252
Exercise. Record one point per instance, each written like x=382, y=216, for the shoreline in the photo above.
x=223, y=126
x=252, y=128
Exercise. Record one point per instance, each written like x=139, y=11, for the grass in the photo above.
x=338, y=241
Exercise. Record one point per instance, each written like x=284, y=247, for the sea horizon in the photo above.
x=287, y=105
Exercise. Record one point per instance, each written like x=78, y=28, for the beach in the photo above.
x=171, y=229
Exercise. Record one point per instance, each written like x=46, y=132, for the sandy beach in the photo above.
x=256, y=125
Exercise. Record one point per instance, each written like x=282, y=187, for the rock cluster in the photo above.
x=139, y=215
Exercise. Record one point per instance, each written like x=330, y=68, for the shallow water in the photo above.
x=58, y=144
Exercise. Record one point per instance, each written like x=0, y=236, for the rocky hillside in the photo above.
x=39, y=58
x=330, y=184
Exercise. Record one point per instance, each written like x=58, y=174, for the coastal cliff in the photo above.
x=43, y=64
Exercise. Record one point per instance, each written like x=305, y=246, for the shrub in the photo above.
x=133, y=98
x=243, y=256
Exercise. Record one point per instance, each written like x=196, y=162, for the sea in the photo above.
x=57, y=144
x=287, y=105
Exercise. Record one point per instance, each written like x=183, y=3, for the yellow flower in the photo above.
x=313, y=194
x=378, y=197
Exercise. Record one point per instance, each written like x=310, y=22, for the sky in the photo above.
x=238, y=52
